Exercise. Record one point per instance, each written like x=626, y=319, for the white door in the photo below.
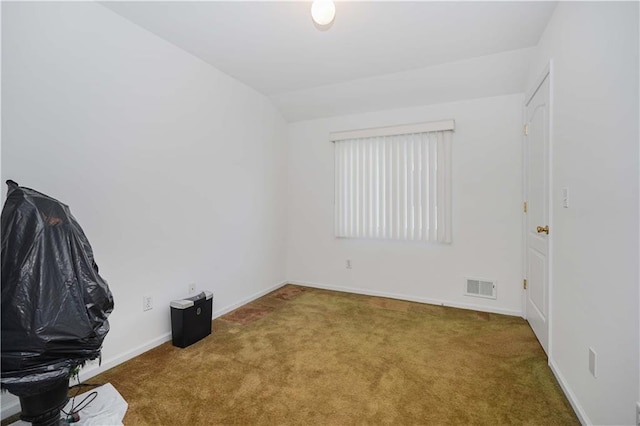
x=537, y=211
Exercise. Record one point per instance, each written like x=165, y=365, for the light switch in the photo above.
x=565, y=198
x=592, y=362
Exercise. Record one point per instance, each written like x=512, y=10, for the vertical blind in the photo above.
x=394, y=186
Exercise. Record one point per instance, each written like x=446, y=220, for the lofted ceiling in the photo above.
x=375, y=54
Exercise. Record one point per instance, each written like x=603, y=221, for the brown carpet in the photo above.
x=306, y=356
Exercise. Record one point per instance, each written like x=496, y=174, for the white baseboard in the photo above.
x=251, y=298
x=582, y=416
x=93, y=369
x=410, y=298
x=90, y=371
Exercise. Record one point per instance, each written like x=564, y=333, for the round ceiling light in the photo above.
x=323, y=11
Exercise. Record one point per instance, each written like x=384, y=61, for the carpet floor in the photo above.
x=308, y=356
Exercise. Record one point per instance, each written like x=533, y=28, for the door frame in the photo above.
x=547, y=72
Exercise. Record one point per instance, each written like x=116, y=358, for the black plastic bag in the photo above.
x=54, y=303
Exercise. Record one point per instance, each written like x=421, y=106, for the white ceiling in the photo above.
x=388, y=47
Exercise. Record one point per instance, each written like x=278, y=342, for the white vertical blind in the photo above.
x=394, y=187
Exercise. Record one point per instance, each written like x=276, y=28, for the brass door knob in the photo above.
x=542, y=229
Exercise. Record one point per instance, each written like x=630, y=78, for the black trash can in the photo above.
x=191, y=319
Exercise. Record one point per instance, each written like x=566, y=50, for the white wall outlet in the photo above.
x=147, y=303
x=348, y=264
x=192, y=288
x=592, y=362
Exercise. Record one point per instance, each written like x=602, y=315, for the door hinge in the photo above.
x=524, y=284
x=525, y=130
x=524, y=207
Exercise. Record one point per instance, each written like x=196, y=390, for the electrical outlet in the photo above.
x=192, y=288
x=348, y=264
x=147, y=303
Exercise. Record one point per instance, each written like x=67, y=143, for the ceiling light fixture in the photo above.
x=323, y=11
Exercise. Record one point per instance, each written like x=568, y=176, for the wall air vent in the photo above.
x=480, y=288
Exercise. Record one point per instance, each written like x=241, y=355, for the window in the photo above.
x=394, y=183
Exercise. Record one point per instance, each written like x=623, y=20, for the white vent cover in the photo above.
x=480, y=288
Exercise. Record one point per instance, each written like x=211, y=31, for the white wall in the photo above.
x=487, y=211
x=594, y=295
x=175, y=171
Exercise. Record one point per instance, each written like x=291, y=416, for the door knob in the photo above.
x=544, y=229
